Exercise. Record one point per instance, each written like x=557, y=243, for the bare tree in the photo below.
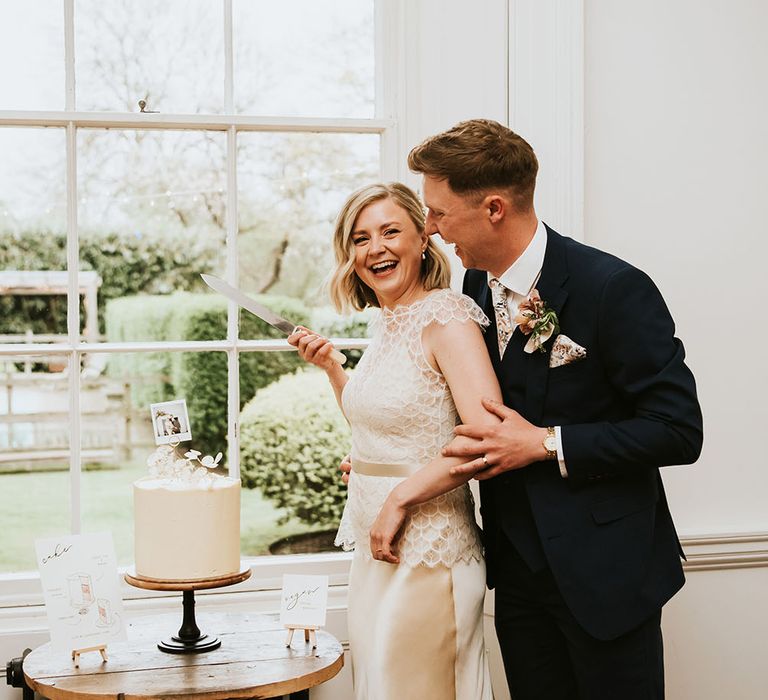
x=173, y=184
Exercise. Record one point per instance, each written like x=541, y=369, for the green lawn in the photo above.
x=36, y=505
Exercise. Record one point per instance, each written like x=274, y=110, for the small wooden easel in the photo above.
x=101, y=648
x=309, y=635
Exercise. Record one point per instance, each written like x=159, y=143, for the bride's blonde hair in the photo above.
x=346, y=289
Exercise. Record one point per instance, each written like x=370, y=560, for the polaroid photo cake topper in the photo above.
x=170, y=422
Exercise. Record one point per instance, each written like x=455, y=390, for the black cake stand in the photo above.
x=189, y=639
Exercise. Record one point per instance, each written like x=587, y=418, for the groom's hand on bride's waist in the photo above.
x=494, y=449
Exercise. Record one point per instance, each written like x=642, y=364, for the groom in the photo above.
x=580, y=544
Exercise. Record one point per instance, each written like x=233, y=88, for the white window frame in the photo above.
x=21, y=588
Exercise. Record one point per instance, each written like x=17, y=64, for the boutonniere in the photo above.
x=537, y=319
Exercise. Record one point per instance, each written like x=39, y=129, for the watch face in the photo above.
x=550, y=443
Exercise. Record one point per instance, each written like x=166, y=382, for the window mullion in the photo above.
x=233, y=375
x=195, y=122
x=387, y=155
x=229, y=103
x=380, y=36
x=73, y=329
x=233, y=412
x=69, y=55
x=390, y=85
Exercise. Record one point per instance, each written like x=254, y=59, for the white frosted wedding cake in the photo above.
x=186, y=519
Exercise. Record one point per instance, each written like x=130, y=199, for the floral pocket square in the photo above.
x=565, y=351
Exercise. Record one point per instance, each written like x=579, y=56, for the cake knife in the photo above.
x=265, y=314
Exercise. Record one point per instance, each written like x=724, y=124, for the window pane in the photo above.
x=117, y=437
x=304, y=58
x=34, y=461
x=33, y=278
x=151, y=212
x=32, y=188
x=31, y=54
x=291, y=187
x=169, y=54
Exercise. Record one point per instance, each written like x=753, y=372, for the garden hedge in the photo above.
x=292, y=438
x=127, y=264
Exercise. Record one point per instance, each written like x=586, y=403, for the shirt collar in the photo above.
x=523, y=273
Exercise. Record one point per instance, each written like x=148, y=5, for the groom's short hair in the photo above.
x=477, y=156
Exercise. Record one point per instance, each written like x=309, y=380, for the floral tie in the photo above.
x=503, y=324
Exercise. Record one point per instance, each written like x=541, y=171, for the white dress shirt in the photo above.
x=519, y=279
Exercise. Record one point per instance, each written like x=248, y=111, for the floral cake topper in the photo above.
x=165, y=463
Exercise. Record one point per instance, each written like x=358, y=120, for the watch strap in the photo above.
x=551, y=437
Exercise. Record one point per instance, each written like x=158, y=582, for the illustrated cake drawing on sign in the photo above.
x=186, y=518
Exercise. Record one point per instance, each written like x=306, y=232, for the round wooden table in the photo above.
x=253, y=662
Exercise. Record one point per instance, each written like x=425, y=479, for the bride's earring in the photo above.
x=423, y=255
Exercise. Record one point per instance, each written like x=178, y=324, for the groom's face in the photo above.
x=456, y=219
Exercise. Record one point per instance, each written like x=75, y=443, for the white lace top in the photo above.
x=401, y=412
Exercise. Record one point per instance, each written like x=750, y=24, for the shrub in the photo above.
x=200, y=377
x=292, y=438
x=141, y=318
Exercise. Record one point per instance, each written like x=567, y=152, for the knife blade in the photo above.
x=263, y=312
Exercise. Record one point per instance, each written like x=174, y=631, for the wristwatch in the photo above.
x=550, y=443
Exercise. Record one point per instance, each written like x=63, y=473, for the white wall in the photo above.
x=649, y=122
x=714, y=629
x=675, y=181
x=675, y=152
x=456, y=66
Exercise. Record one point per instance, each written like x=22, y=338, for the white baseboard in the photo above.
x=725, y=551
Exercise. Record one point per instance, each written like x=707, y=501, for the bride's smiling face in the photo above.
x=387, y=246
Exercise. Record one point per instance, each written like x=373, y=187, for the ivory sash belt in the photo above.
x=377, y=469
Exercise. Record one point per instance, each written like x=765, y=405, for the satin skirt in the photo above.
x=416, y=633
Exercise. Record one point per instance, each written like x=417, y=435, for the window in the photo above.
x=143, y=144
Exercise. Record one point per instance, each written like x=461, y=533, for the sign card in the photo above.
x=304, y=601
x=81, y=590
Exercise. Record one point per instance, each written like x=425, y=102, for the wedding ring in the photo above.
x=485, y=462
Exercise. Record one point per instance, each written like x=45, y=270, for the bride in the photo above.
x=415, y=612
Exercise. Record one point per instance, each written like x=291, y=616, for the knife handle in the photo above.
x=336, y=356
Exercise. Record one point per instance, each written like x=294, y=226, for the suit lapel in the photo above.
x=554, y=273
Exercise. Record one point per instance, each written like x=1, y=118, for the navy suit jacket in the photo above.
x=627, y=409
